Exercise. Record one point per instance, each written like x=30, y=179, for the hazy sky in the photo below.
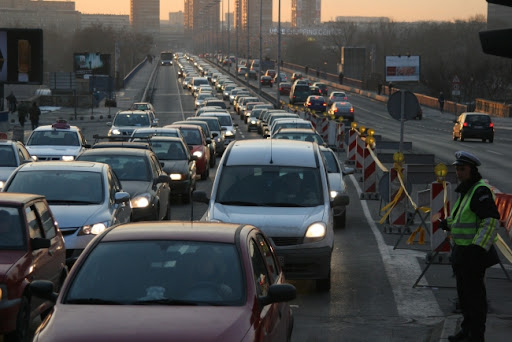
x=398, y=10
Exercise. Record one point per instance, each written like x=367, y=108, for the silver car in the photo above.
x=85, y=197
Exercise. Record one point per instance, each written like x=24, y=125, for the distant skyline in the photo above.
x=397, y=10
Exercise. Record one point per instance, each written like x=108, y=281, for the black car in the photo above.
x=266, y=80
x=323, y=88
x=473, y=125
x=251, y=75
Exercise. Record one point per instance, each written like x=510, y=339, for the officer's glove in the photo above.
x=443, y=224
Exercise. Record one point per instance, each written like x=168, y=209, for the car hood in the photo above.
x=8, y=259
x=336, y=182
x=135, y=188
x=54, y=150
x=149, y=323
x=69, y=216
x=273, y=221
x=171, y=166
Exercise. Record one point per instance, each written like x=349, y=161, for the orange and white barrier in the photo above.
x=361, y=146
x=439, y=210
x=352, y=145
x=369, y=172
x=324, y=127
x=398, y=214
x=340, y=135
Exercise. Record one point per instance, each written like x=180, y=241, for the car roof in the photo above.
x=60, y=165
x=154, y=129
x=122, y=144
x=17, y=198
x=179, y=230
x=135, y=111
x=116, y=151
x=271, y=152
x=296, y=131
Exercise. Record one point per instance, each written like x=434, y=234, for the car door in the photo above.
x=121, y=212
x=271, y=325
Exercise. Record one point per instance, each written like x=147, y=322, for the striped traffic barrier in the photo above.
x=360, y=152
x=397, y=214
x=324, y=127
x=369, y=173
x=439, y=210
x=352, y=145
x=340, y=135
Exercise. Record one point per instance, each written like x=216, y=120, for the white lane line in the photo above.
x=494, y=152
x=402, y=269
x=180, y=91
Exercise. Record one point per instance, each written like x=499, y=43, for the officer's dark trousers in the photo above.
x=472, y=298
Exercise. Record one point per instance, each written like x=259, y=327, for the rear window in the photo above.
x=301, y=89
x=478, y=118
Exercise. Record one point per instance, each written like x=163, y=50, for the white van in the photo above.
x=280, y=186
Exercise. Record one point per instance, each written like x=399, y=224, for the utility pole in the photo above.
x=261, y=40
x=278, y=95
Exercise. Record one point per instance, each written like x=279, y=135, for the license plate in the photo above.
x=478, y=127
x=281, y=260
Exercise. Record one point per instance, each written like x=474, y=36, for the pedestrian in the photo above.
x=440, y=99
x=473, y=223
x=306, y=69
x=34, y=113
x=340, y=76
x=317, y=72
x=12, y=102
x=22, y=117
x=390, y=87
x=379, y=87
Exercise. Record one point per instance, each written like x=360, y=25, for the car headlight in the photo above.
x=141, y=201
x=333, y=194
x=218, y=140
x=93, y=229
x=315, y=232
x=115, y=131
x=199, y=154
x=177, y=176
x=230, y=133
x=68, y=158
x=2, y=184
x=253, y=122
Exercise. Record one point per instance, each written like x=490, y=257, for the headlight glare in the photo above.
x=198, y=154
x=68, y=158
x=176, y=176
x=93, y=229
x=315, y=232
x=141, y=201
x=333, y=194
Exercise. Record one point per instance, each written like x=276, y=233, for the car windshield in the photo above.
x=331, y=163
x=313, y=137
x=159, y=272
x=126, y=167
x=225, y=120
x=214, y=125
x=54, y=138
x=270, y=186
x=131, y=120
x=7, y=157
x=481, y=119
x=12, y=234
x=61, y=186
x=169, y=150
x=140, y=106
x=191, y=136
x=146, y=134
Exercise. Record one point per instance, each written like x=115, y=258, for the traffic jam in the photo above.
x=95, y=232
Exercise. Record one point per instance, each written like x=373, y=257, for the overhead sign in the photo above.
x=402, y=68
x=87, y=64
x=21, y=56
x=456, y=86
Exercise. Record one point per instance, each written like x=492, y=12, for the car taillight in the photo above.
x=465, y=124
x=491, y=125
x=324, y=104
x=351, y=110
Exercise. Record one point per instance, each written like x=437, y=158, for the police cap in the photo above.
x=466, y=158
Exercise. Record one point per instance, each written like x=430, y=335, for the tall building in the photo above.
x=306, y=13
x=145, y=16
x=202, y=23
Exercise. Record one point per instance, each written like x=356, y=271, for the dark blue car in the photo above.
x=316, y=103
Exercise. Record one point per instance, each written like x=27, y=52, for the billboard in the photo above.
x=87, y=64
x=402, y=68
x=21, y=56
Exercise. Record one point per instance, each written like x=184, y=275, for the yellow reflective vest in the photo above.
x=467, y=228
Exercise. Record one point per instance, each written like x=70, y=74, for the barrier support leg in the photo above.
x=428, y=266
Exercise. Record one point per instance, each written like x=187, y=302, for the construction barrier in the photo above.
x=398, y=213
x=340, y=135
x=361, y=146
x=352, y=145
x=369, y=172
x=324, y=127
x=439, y=210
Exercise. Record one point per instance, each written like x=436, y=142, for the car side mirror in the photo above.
x=208, y=140
x=43, y=289
x=121, y=197
x=278, y=293
x=162, y=179
x=215, y=134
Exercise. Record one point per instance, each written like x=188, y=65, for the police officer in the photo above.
x=473, y=223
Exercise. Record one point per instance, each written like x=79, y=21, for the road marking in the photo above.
x=402, y=269
x=494, y=152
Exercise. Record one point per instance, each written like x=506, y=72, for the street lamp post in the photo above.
x=278, y=96
x=92, y=87
x=259, y=71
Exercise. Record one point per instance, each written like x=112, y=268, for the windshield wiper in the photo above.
x=243, y=203
x=93, y=301
x=170, y=301
x=69, y=202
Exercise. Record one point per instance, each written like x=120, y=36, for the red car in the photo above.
x=198, y=145
x=31, y=249
x=179, y=281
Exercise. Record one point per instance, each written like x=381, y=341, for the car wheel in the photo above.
x=491, y=139
x=167, y=216
x=340, y=221
x=22, y=322
x=156, y=215
x=206, y=173
x=213, y=160
x=483, y=139
x=461, y=137
x=186, y=198
x=324, y=285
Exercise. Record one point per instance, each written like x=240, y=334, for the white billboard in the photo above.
x=402, y=68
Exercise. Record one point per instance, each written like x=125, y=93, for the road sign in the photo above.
x=411, y=105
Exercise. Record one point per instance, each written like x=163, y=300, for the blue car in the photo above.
x=316, y=103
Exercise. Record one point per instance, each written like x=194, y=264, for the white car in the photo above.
x=59, y=141
x=12, y=154
x=125, y=122
x=226, y=123
x=282, y=187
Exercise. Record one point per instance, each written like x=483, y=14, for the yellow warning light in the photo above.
x=332, y=116
x=370, y=131
x=370, y=140
x=353, y=125
x=398, y=157
x=340, y=119
x=362, y=129
x=440, y=170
